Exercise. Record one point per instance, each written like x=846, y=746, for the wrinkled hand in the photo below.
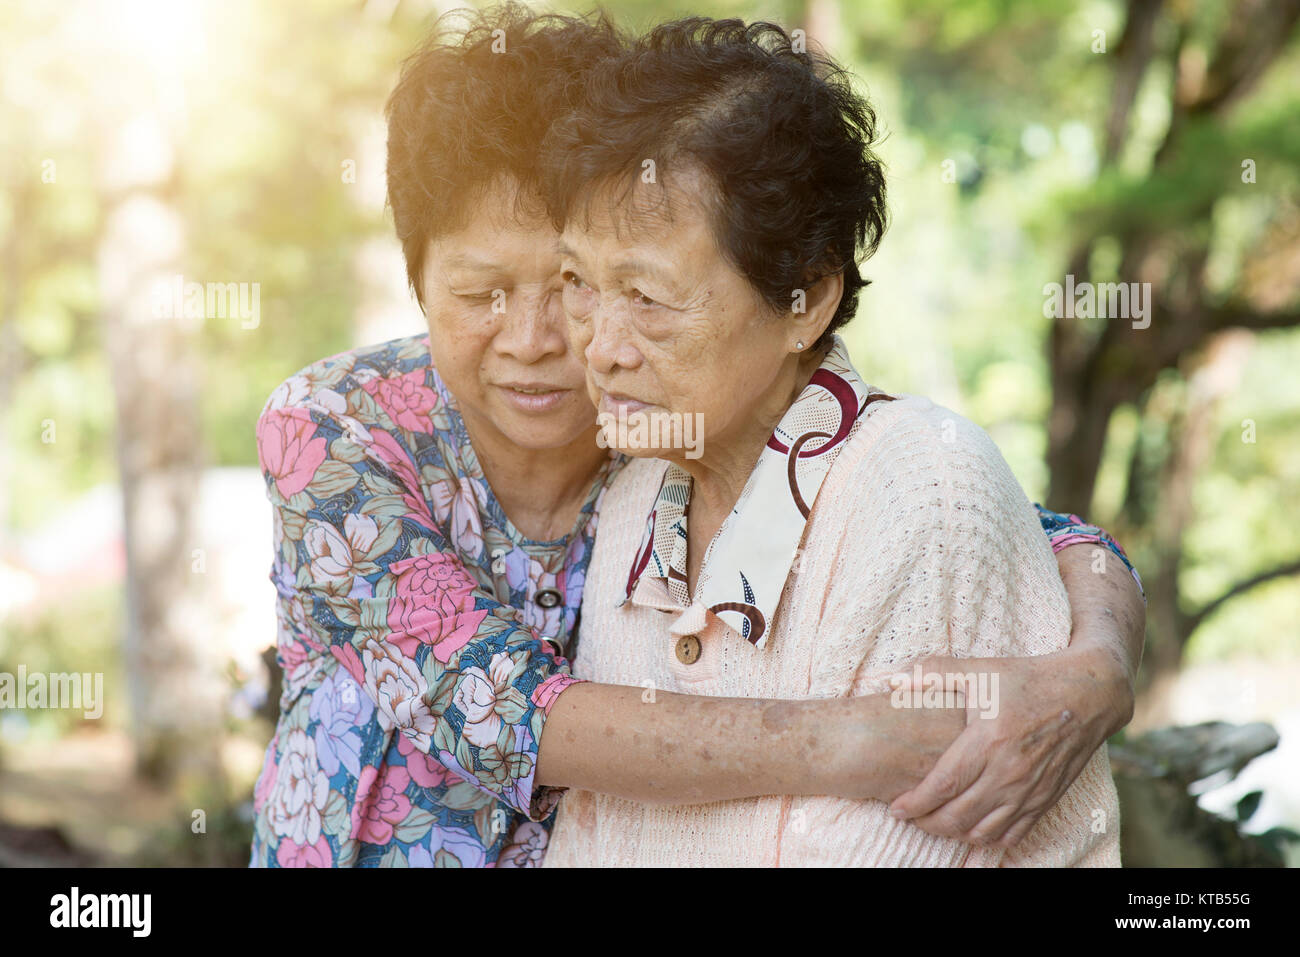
x=1000, y=775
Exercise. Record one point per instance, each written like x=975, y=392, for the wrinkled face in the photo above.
x=665, y=323
x=496, y=328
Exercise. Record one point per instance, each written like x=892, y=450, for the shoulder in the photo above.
x=391, y=387
x=321, y=384
x=378, y=398
x=927, y=465
x=636, y=478
x=916, y=425
x=624, y=509
x=911, y=433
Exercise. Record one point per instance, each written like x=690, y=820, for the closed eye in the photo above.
x=476, y=296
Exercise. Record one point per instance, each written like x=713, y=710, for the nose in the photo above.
x=532, y=327
x=611, y=344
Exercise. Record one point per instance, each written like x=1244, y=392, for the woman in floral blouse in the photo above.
x=435, y=503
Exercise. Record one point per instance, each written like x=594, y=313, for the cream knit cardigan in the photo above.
x=920, y=542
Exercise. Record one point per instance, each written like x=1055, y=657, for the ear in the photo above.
x=813, y=307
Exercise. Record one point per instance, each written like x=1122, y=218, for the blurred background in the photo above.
x=149, y=144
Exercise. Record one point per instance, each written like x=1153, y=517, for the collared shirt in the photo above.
x=418, y=629
x=749, y=559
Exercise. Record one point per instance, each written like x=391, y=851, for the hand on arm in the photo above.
x=1002, y=773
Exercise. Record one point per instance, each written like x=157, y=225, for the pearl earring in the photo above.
x=799, y=344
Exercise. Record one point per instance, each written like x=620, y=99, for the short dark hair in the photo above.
x=780, y=134
x=473, y=103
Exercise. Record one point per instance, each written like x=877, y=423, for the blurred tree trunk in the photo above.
x=1097, y=370
x=1192, y=441
x=175, y=710
x=1094, y=373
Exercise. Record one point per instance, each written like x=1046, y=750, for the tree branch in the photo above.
x=1133, y=54
x=1257, y=32
x=1237, y=317
x=1193, y=621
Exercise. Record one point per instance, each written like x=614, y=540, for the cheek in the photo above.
x=718, y=367
x=458, y=344
x=678, y=378
x=716, y=409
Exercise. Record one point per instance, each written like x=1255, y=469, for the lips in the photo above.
x=616, y=403
x=533, y=396
x=533, y=388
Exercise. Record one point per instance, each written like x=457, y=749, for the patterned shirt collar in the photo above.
x=749, y=560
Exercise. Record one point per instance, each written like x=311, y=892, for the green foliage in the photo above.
x=1009, y=92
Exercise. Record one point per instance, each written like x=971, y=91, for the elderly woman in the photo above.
x=714, y=191
x=435, y=504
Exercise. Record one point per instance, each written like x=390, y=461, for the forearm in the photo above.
x=692, y=749
x=687, y=749
x=1109, y=623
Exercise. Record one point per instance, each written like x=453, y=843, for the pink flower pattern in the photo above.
x=380, y=804
x=291, y=451
x=407, y=399
x=433, y=603
x=385, y=532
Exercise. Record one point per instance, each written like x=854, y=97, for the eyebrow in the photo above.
x=464, y=261
x=632, y=265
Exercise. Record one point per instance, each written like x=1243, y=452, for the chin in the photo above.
x=539, y=435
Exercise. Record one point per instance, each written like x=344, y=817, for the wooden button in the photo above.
x=549, y=598
x=688, y=649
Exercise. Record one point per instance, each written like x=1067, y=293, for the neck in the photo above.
x=719, y=477
x=541, y=490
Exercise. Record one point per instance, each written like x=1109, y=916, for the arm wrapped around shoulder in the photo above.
x=939, y=552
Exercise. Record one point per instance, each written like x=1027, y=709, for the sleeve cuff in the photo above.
x=545, y=798
x=1064, y=530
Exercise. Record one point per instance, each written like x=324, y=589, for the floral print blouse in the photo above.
x=418, y=631
x=420, y=634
